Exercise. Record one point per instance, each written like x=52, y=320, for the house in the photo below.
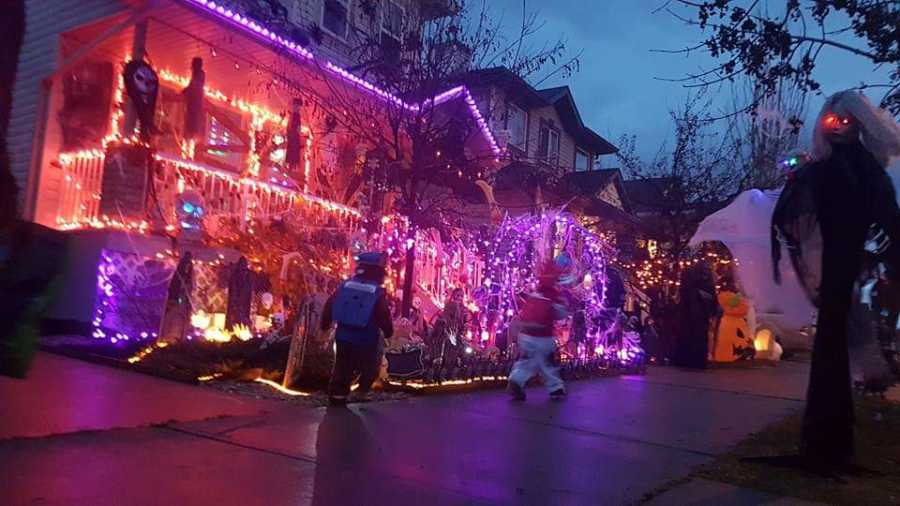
x=537, y=126
x=552, y=157
x=670, y=217
x=87, y=166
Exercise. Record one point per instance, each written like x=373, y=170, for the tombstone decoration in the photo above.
x=240, y=295
x=126, y=181
x=177, y=316
x=142, y=86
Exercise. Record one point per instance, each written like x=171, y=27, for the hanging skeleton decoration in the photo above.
x=142, y=86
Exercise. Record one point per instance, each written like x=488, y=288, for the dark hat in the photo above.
x=372, y=258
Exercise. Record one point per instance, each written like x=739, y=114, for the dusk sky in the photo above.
x=617, y=90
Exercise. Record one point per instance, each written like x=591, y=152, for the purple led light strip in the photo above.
x=258, y=30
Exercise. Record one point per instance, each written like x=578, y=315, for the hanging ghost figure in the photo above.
x=142, y=86
x=824, y=216
x=194, y=117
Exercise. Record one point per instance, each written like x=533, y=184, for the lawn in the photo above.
x=878, y=449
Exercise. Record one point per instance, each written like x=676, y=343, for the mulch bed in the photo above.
x=233, y=367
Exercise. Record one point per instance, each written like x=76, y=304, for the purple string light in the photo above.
x=254, y=28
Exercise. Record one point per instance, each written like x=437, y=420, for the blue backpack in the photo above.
x=354, y=303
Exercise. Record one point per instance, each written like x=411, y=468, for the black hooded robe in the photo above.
x=852, y=192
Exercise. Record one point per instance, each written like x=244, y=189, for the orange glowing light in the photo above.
x=284, y=390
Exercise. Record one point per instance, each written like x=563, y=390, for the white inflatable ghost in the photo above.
x=743, y=226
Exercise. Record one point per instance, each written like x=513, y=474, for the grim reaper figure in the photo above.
x=824, y=216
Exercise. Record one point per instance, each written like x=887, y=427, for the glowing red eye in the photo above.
x=830, y=120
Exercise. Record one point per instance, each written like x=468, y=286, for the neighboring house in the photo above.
x=604, y=184
x=539, y=127
x=552, y=156
x=670, y=220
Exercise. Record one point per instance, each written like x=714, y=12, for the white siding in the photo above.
x=45, y=21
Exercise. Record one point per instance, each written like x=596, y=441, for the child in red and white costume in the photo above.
x=542, y=309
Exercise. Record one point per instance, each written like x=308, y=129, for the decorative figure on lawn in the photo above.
x=449, y=330
x=734, y=340
x=826, y=211
x=177, y=316
x=142, y=86
x=697, y=306
x=194, y=118
x=240, y=295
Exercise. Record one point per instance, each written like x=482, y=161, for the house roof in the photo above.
x=564, y=101
x=649, y=195
x=560, y=97
x=592, y=182
x=517, y=183
x=551, y=95
x=646, y=194
x=519, y=91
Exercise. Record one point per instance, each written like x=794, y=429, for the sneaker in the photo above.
x=559, y=393
x=517, y=393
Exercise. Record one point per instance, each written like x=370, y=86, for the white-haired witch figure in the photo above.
x=824, y=216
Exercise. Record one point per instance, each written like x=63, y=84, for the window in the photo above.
x=392, y=19
x=391, y=31
x=516, y=124
x=582, y=161
x=335, y=17
x=548, y=147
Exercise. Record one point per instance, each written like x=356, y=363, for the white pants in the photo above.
x=536, y=355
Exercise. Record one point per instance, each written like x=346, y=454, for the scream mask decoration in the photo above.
x=189, y=209
x=142, y=86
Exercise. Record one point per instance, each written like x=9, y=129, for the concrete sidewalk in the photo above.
x=610, y=442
